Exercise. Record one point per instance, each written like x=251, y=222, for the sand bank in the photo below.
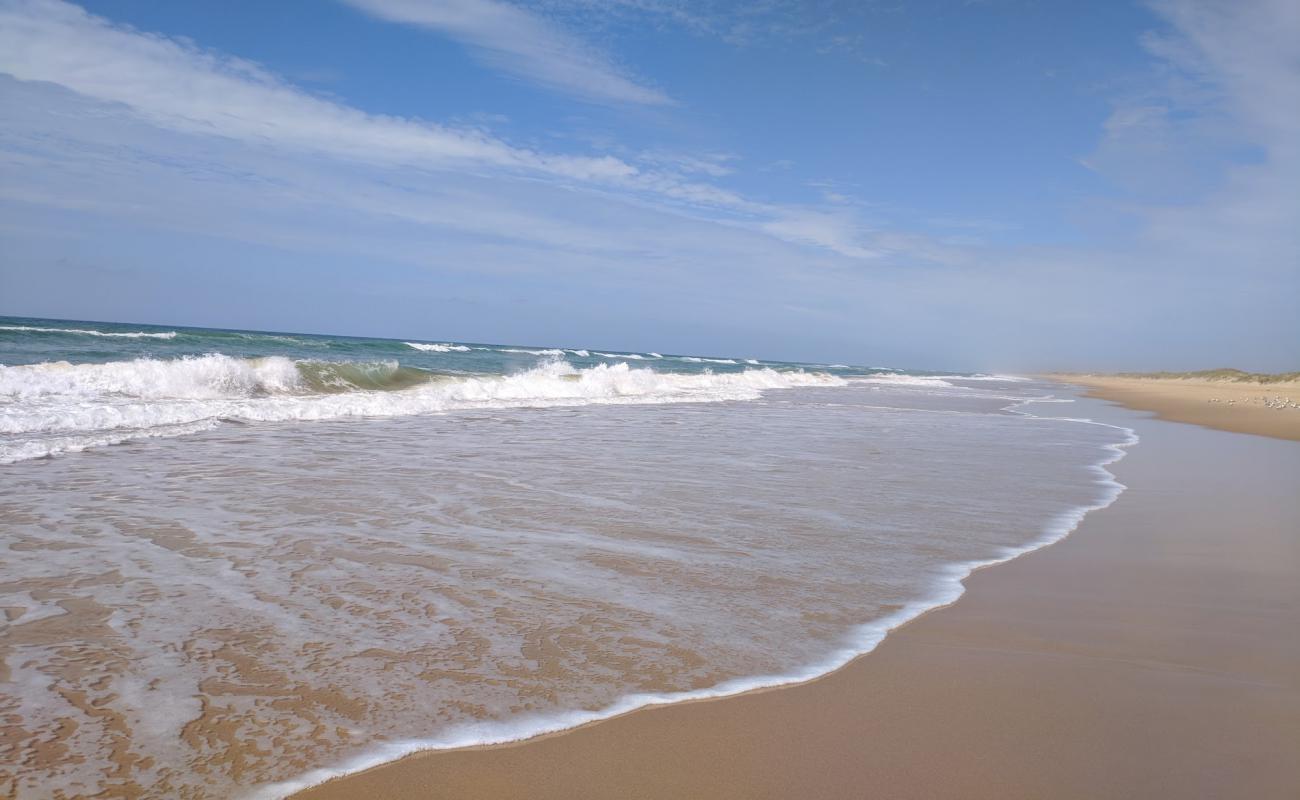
x=1151, y=654
x=1267, y=409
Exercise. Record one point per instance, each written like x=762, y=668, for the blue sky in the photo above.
x=999, y=184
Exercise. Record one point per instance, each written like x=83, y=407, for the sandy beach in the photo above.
x=1150, y=654
x=1266, y=409
x=649, y=400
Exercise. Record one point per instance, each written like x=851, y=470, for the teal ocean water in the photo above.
x=237, y=563
x=66, y=386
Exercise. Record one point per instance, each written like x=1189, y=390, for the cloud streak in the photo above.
x=1210, y=151
x=178, y=86
x=523, y=44
x=122, y=148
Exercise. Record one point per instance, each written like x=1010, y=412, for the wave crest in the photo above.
x=87, y=332
x=56, y=407
x=702, y=360
x=437, y=348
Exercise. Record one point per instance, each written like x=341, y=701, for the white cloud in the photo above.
x=835, y=231
x=712, y=164
x=126, y=138
x=1244, y=56
x=522, y=43
x=178, y=86
x=126, y=169
x=1211, y=148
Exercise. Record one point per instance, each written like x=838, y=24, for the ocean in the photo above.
x=237, y=563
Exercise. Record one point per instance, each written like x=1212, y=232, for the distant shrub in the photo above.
x=1222, y=374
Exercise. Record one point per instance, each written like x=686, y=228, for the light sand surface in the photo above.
x=1152, y=654
x=1267, y=409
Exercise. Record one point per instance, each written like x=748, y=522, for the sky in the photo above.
x=1004, y=184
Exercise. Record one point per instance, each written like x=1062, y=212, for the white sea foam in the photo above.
x=580, y=353
x=45, y=407
x=84, y=332
x=701, y=360
x=948, y=587
x=983, y=377
x=209, y=377
x=760, y=591
x=633, y=356
x=438, y=348
x=55, y=445
x=548, y=352
x=906, y=380
x=275, y=337
x=655, y=355
x=935, y=381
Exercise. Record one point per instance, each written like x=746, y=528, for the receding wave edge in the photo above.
x=860, y=641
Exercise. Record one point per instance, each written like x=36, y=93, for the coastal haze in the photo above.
x=258, y=596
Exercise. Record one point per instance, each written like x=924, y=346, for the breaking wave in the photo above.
x=547, y=352
x=701, y=360
x=438, y=348
x=84, y=332
x=58, y=407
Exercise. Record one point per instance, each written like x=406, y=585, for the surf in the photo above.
x=54, y=407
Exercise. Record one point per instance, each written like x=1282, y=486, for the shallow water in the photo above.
x=230, y=609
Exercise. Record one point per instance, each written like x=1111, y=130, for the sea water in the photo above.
x=236, y=563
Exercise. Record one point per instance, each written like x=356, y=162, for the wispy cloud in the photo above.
x=524, y=44
x=826, y=26
x=836, y=231
x=179, y=86
x=134, y=141
x=1209, y=148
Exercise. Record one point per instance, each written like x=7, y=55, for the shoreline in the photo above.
x=865, y=639
x=485, y=770
x=860, y=643
x=1240, y=406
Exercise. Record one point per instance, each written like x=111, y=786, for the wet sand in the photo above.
x=1151, y=654
x=1266, y=409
